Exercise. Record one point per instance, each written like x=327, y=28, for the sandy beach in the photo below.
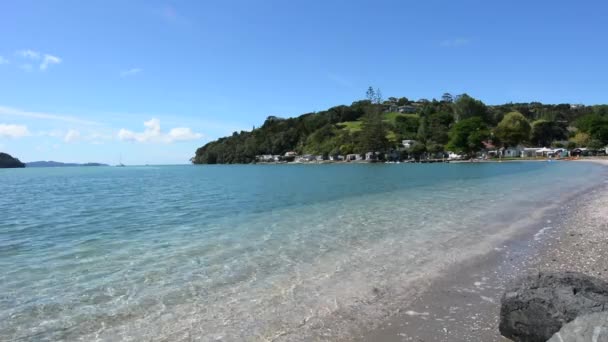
x=464, y=303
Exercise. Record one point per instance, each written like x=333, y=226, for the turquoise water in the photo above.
x=251, y=252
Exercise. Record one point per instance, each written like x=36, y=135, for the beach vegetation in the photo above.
x=377, y=125
x=513, y=129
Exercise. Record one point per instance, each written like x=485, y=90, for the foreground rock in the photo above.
x=537, y=306
x=587, y=328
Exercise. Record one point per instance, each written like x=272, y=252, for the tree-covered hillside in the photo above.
x=460, y=124
x=7, y=161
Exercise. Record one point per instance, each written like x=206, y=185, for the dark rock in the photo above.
x=535, y=307
x=586, y=328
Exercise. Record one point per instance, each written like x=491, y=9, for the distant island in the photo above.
x=59, y=164
x=8, y=161
x=396, y=129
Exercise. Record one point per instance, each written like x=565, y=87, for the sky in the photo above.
x=148, y=82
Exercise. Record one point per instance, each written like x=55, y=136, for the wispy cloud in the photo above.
x=457, y=42
x=130, y=72
x=9, y=111
x=3, y=60
x=13, y=131
x=29, y=54
x=48, y=60
x=71, y=136
x=153, y=133
x=45, y=59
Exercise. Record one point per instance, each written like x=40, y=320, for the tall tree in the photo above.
x=544, y=132
x=467, y=107
x=513, y=129
x=378, y=97
x=372, y=137
x=447, y=97
x=370, y=94
x=467, y=136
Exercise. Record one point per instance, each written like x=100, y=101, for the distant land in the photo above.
x=400, y=129
x=51, y=163
x=8, y=161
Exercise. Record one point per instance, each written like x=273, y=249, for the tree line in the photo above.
x=461, y=124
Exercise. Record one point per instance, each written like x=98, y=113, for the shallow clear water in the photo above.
x=251, y=252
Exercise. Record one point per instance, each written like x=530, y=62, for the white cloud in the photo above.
x=48, y=60
x=48, y=116
x=45, y=59
x=13, y=131
x=3, y=60
x=29, y=54
x=71, y=136
x=183, y=133
x=458, y=42
x=153, y=133
x=130, y=72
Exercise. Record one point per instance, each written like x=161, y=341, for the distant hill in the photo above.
x=59, y=164
x=454, y=123
x=7, y=161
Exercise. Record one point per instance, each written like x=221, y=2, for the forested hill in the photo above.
x=461, y=124
x=7, y=161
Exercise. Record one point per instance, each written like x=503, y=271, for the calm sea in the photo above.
x=250, y=252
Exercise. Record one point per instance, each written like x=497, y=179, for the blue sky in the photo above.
x=153, y=80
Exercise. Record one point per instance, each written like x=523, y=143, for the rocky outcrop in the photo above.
x=587, y=328
x=535, y=307
x=7, y=161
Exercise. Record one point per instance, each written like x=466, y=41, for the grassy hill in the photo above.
x=437, y=125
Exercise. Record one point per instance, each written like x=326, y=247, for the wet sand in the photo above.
x=464, y=303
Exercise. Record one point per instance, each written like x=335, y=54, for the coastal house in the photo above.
x=372, y=155
x=406, y=109
x=454, y=156
x=291, y=154
x=489, y=150
x=353, y=157
x=578, y=152
x=408, y=143
x=512, y=151
x=336, y=157
x=267, y=158
x=530, y=152
x=391, y=108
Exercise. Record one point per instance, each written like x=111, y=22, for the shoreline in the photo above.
x=463, y=304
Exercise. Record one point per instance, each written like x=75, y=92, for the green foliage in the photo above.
x=7, y=161
x=595, y=125
x=406, y=126
x=545, y=132
x=581, y=139
x=513, y=129
x=467, y=136
x=363, y=127
x=373, y=134
x=467, y=107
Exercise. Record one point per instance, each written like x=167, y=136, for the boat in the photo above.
x=120, y=164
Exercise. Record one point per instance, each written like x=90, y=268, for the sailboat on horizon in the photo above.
x=120, y=164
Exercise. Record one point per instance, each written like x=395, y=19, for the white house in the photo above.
x=408, y=143
x=291, y=154
x=513, y=151
x=454, y=156
x=371, y=155
x=406, y=109
x=353, y=157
